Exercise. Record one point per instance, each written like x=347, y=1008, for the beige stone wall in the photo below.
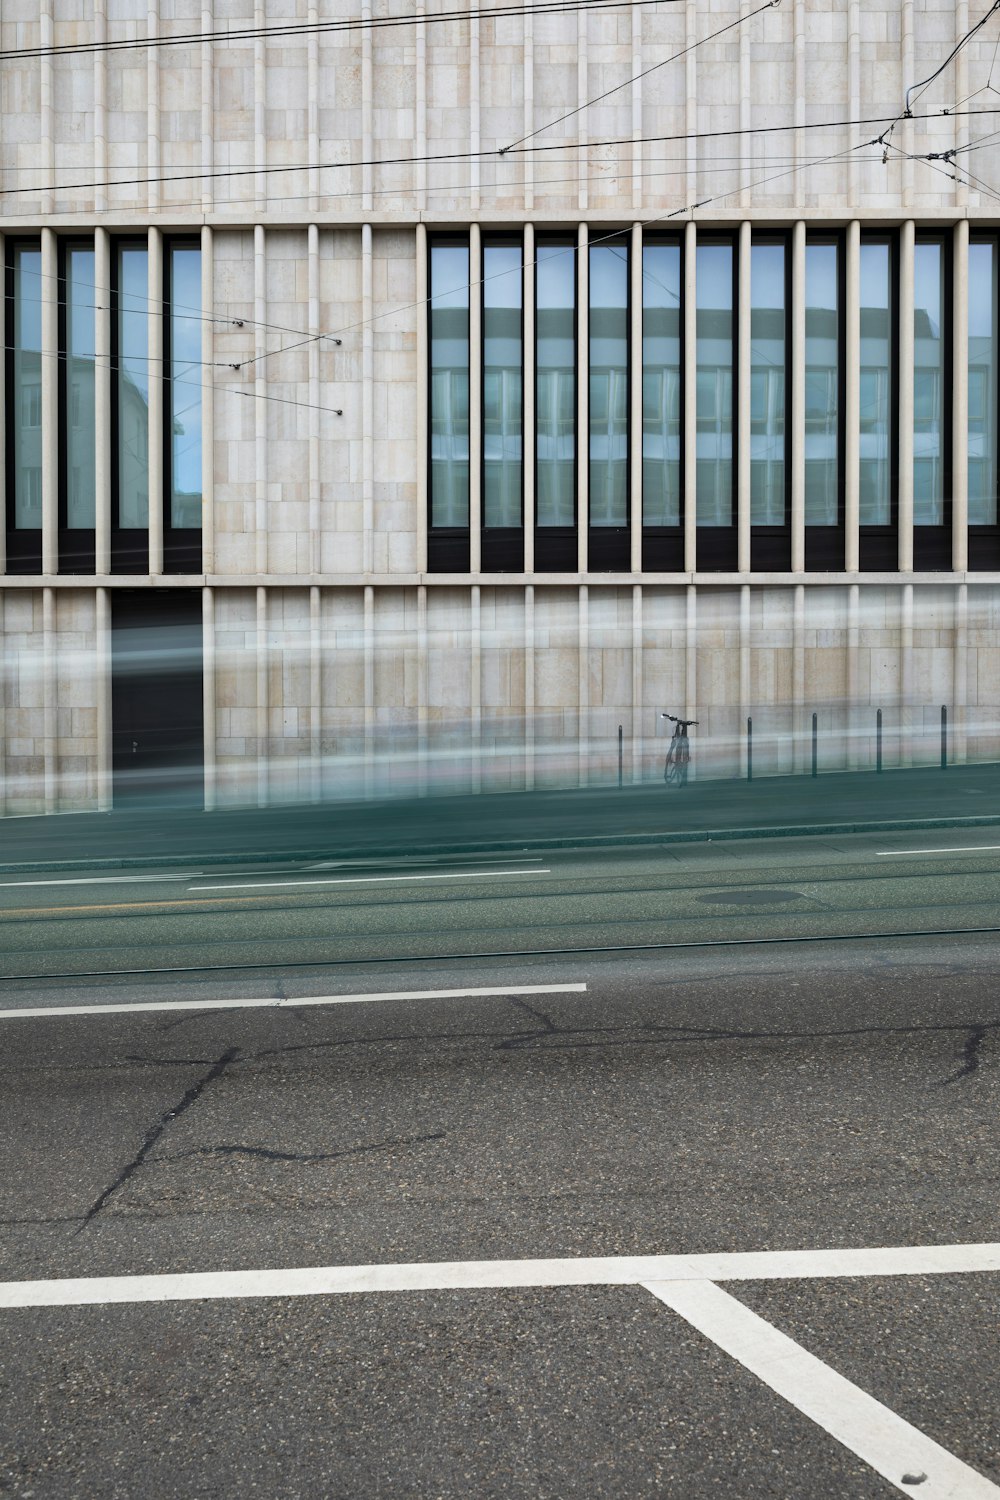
x=341, y=693
x=340, y=666
x=48, y=701
x=386, y=93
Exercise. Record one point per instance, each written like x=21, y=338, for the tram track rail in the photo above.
x=508, y=953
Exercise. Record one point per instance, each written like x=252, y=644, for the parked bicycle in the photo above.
x=675, y=767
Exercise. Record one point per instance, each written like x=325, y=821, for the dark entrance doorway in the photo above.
x=157, y=714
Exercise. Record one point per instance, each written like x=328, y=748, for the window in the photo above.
x=876, y=384
x=449, y=385
x=555, y=384
x=132, y=388
x=928, y=383
x=715, y=360
x=822, y=385
x=26, y=434
x=183, y=404
x=608, y=407
x=983, y=383
x=31, y=406
x=78, y=385
x=767, y=385
x=502, y=386
x=661, y=385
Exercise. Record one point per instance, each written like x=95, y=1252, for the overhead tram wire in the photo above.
x=424, y=301
x=614, y=234
x=950, y=58
x=906, y=114
x=675, y=213
x=448, y=156
x=324, y=28
x=308, y=338
x=115, y=367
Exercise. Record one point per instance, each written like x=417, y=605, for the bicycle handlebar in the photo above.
x=686, y=722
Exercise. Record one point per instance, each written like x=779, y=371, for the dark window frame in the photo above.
x=556, y=547
x=448, y=547
x=182, y=545
x=77, y=547
x=825, y=546
x=718, y=546
x=984, y=541
x=663, y=546
x=878, y=546
x=771, y=546
x=609, y=548
x=128, y=553
x=932, y=544
x=501, y=547
x=24, y=546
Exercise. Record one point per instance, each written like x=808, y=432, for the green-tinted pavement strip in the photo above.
x=497, y=846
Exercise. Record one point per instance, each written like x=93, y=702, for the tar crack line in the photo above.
x=152, y=1136
x=267, y=1154
x=970, y=1055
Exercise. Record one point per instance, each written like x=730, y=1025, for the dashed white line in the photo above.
x=269, y=1002
x=902, y=1454
x=476, y=1275
x=10, y=885
x=959, y=849
x=261, y=885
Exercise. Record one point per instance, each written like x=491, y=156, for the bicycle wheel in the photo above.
x=675, y=775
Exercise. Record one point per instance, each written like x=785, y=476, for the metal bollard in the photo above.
x=944, y=737
x=619, y=755
x=878, y=741
x=749, y=749
x=815, y=743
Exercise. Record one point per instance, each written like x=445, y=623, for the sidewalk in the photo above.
x=508, y=822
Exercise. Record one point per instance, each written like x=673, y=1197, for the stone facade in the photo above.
x=335, y=662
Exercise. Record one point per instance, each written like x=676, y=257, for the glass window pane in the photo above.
x=78, y=418
x=449, y=413
x=26, y=417
x=822, y=462
x=767, y=385
x=661, y=385
x=714, y=440
x=608, y=337
x=133, y=389
x=185, y=386
x=555, y=384
x=928, y=384
x=876, y=385
x=982, y=384
x=502, y=385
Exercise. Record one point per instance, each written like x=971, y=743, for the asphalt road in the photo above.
x=682, y=1101
x=344, y=914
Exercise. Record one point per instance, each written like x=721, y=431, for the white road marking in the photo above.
x=261, y=885
x=902, y=1454
x=340, y=864
x=960, y=849
x=280, y=1003
x=10, y=885
x=473, y=1275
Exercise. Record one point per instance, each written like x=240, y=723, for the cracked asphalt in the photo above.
x=800, y=1095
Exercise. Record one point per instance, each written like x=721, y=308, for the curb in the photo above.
x=502, y=846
